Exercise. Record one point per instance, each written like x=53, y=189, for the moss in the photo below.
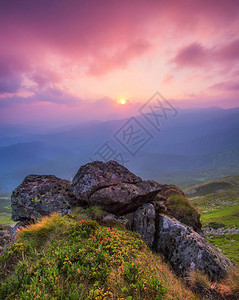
x=180, y=208
x=35, y=200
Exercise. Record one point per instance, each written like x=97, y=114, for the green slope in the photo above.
x=218, y=201
x=5, y=209
x=73, y=258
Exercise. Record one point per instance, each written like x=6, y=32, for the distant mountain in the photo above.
x=195, y=146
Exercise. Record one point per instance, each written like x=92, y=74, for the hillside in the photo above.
x=108, y=234
x=218, y=202
x=78, y=259
x=73, y=257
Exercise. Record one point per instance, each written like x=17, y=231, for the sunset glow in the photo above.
x=72, y=66
x=122, y=101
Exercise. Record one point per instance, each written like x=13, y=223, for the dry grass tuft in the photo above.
x=229, y=286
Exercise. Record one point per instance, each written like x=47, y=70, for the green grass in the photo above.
x=5, y=210
x=70, y=258
x=229, y=245
x=228, y=216
x=182, y=209
x=222, y=207
x=212, y=188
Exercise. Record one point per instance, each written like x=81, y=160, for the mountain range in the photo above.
x=195, y=146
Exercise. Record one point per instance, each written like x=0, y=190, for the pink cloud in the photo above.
x=168, y=78
x=192, y=55
x=120, y=58
x=196, y=55
x=226, y=86
x=90, y=32
x=41, y=39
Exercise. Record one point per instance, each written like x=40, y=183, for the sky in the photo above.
x=66, y=61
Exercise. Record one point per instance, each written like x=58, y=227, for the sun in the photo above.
x=122, y=101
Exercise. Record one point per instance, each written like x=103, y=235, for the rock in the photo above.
x=172, y=201
x=216, y=225
x=96, y=175
x=5, y=237
x=130, y=218
x=186, y=250
x=144, y=223
x=124, y=198
x=111, y=220
x=17, y=226
x=40, y=195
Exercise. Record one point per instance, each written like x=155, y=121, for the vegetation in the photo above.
x=75, y=258
x=5, y=209
x=228, y=216
x=228, y=244
x=183, y=210
x=220, y=208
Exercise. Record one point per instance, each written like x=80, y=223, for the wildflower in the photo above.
x=121, y=267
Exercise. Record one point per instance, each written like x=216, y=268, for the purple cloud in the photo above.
x=226, y=86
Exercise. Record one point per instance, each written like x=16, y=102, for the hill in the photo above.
x=218, y=203
x=75, y=258
x=91, y=239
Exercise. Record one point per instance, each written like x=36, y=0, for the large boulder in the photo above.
x=144, y=223
x=40, y=195
x=96, y=175
x=186, y=250
x=124, y=198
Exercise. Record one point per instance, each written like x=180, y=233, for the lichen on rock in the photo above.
x=40, y=195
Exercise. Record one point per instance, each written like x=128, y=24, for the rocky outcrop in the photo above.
x=40, y=195
x=186, y=250
x=160, y=213
x=97, y=175
x=124, y=198
x=144, y=223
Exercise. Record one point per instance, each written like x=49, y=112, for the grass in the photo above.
x=5, y=210
x=228, y=216
x=229, y=245
x=220, y=206
x=212, y=188
x=183, y=210
x=230, y=285
x=70, y=258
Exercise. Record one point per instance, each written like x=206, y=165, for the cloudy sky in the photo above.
x=69, y=60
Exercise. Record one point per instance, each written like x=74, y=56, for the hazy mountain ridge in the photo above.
x=194, y=142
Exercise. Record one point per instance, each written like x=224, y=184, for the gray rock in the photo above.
x=186, y=250
x=40, y=195
x=144, y=223
x=5, y=237
x=111, y=220
x=124, y=198
x=130, y=218
x=17, y=227
x=96, y=175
